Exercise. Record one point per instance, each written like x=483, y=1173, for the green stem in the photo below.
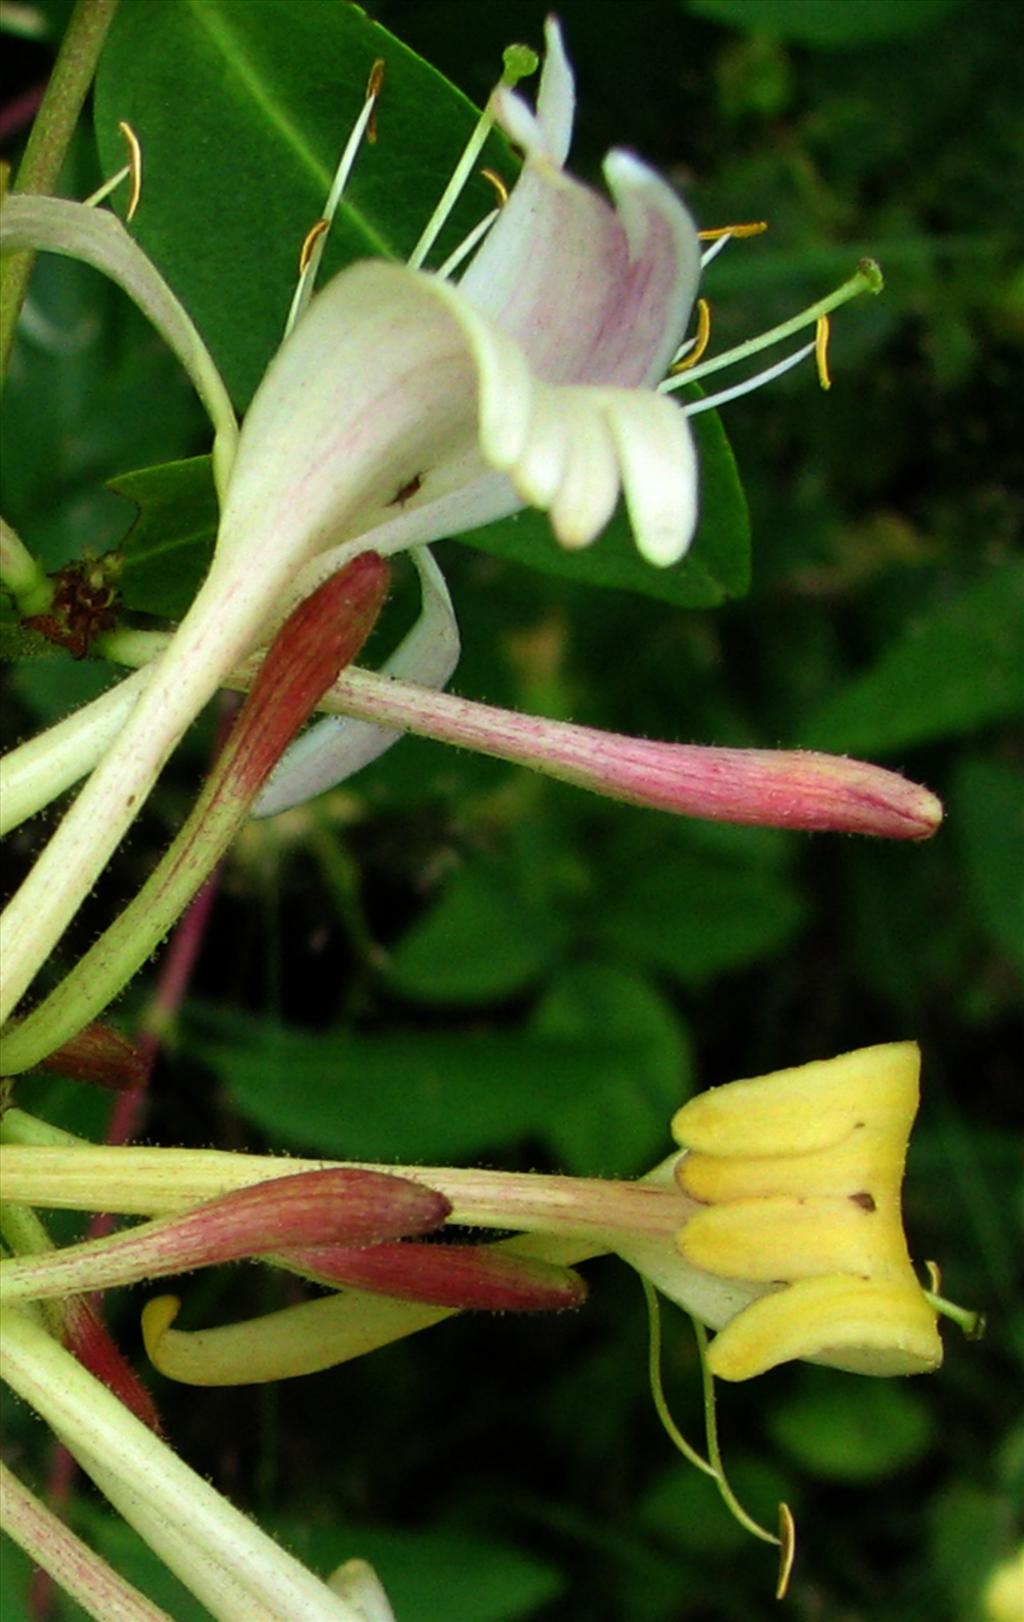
x=21, y=575
x=51, y=134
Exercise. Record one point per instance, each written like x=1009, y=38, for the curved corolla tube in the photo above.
x=334, y=749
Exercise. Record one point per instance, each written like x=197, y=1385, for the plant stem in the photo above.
x=51, y=134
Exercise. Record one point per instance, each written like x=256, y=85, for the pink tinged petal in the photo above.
x=659, y=473
x=59, y=1552
x=345, y=1206
x=463, y=1277
x=591, y=295
x=651, y=314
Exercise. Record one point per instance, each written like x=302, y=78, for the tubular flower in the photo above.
x=797, y=1178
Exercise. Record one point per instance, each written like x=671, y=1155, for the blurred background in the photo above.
x=449, y=959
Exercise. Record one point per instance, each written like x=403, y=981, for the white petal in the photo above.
x=538, y=472
x=556, y=96
x=659, y=473
x=590, y=483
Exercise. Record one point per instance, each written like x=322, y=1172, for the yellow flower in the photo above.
x=797, y=1175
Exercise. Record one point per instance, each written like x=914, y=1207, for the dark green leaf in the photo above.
x=432, y=1576
x=616, y=1123
x=988, y=812
x=416, y=1095
x=694, y=914
x=827, y=24
x=169, y=547
x=267, y=95
x=957, y=668
x=489, y=936
x=859, y=1431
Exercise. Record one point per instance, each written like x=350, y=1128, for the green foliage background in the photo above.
x=451, y=959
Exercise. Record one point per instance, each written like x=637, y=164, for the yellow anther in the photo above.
x=821, y=333
x=499, y=185
x=700, y=342
x=934, y=1277
x=373, y=84
x=134, y=166
x=313, y=235
x=752, y=228
x=787, y=1549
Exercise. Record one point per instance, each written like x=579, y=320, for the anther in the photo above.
x=787, y=1549
x=821, y=333
x=700, y=342
x=752, y=228
x=310, y=240
x=134, y=166
x=373, y=86
x=499, y=185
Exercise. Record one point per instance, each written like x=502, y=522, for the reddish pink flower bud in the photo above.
x=319, y=638
x=100, y=1055
x=336, y=1206
x=460, y=1276
x=87, y=1336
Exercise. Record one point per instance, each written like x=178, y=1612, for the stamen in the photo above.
x=787, y=1550
x=520, y=61
x=821, y=351
x=712, y=253
x=499, y=185
x=866, y=279
x=315, y=231
x=712, y=1465
x=132, y=168
x=753, y=228
x=693, y=408
x=134, y=165
x=700, y=342
x=466, y=246
x=972, y=1324
x=373, y=84
x=316, y=238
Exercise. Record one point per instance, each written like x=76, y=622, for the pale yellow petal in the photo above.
x=771, y=1240
x=863, y=1326
x=807, y=1107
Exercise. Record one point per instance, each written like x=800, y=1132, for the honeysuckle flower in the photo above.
x=777, y=1225
x=400, y=409
x=797, y=1177
x=395, y=389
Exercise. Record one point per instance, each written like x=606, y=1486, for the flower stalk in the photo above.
x=322, y=634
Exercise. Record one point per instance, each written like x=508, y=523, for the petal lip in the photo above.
x=864, y=1326
x=807, y=1107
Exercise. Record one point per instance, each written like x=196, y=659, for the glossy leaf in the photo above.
x=268, y=94
x=957, y=667
x=827, y=24
x=168, y=549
